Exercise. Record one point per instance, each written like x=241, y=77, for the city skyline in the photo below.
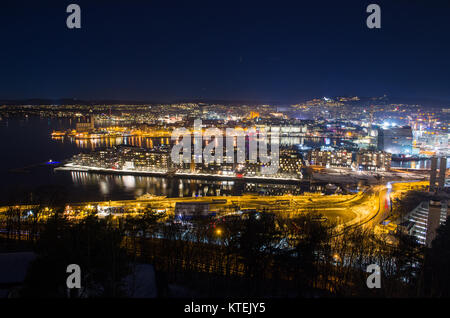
x=225, y=151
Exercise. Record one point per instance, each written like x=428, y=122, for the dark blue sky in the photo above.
x=268, y=51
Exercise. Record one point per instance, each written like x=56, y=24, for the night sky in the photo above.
x=231, y=50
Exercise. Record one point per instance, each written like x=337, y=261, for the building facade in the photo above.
x=338, y=158
x=397, y=141
x=373, y=160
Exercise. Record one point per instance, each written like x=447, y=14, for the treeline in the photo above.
x=257, y=254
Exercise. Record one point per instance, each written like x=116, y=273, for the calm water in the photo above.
x=27, y=146
x=419, y=164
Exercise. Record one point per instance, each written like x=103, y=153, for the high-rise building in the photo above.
x=437, y=214
x=442, y=170
x=397, y=141
x=425, y=219
x=433, y=173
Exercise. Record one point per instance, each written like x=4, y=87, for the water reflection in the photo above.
x=416, y=164
x=96, y=143
x=129, y=187
x=151, y=142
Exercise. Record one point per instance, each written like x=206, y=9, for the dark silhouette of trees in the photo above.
x=258, y=253
x=92, y=244
x=436, y=276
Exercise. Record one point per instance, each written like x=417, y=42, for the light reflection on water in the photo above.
x=134, y=186
x=150, y=142
x=417, y=164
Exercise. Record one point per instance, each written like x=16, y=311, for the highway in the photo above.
x=366, y=208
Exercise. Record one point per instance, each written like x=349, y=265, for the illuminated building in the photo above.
x=290, y=166
x=442, y=170
x=397, y=141
x=441, y=176
x=373, y=160
x=432, y=141
x=423, y=221
x=126, y=158
x=85, y=127
x=339, y=158
x=433, y=173
x=129, y=158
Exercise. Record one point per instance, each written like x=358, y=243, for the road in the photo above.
x=364, y=208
